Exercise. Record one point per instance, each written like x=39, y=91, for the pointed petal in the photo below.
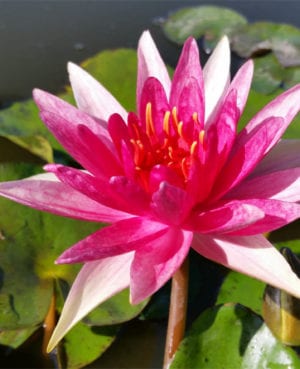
x=286, y=106
x=69, y=136
x=277, y=214
x=252, y=255
x=153, y=93
x=283, y=185
x=155, y=264
x=170, y=204
x=50, y=103
x=245, y=155
x=96, y=282
x=44, y=192
x=150, y=64
x=91, y=97
x=119, y=238
x=216, y=73
x=188, y=69
x=242, y=83
x=227, y=218
x=282, y=156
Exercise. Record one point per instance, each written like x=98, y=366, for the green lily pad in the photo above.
x=33, y=149
x=83, y=344
x=30, y=242
x=15, y=338
x=291, y=76
x=232, y=336
x=268, y=74
x=115, y=310
x=212, y=22
x=260, y=37
x=238, y=288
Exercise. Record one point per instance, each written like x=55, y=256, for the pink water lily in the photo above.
x=174, y=175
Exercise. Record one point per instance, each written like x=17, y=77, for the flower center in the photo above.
x=172, y=143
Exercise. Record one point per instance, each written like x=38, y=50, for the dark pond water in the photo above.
x=38, y=37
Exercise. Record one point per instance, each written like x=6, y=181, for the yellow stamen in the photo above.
x=193, y=147
x=150, y=130
x=184, y=168
x=195, y=117
x=174, y=115
x=179, y=128
x=201, y=136
x=166, y=122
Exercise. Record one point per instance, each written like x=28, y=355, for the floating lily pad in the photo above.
x=34, y=149
x=260, y=37
x=115, y=310
x=30, y=242
x=15, y=338
x=268, y=74
x=232, y=336
x=239, y=288
x=83, y=345
x=212, y=22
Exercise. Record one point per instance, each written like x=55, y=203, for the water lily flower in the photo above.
x=174, y=175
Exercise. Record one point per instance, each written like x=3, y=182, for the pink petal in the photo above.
x=170, y=204
x=150, y=64
x=156, y=263
x=252, y=255
x=103, y=159
x=286, y=106
x=216, y=73
x=282, y=156
x=283, y=185
x=69, y=136
x=96, y=282
x=91, y=97
x=44, y=192
x=99, y=190
x=119, y=238
x=245, y=156
x=277, y=215
x=242, y=83
x=188, y=69
x=220, y=137
x=48, y=102
x=227, y=218
x=153, y=93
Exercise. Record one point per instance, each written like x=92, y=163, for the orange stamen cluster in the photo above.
x=169, y=147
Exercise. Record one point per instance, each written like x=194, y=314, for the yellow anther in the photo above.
x=166, y=122
x=184, y=167
x=201, y=136
x=195, y=117
x=150, y=130
x=174, y=115
x=179, y=128
x=193, y=147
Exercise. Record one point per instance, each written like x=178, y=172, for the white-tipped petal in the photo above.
x=91, y=97
x=216, y=73
x=150, y=64
x=96, y=282
x=254, y=256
